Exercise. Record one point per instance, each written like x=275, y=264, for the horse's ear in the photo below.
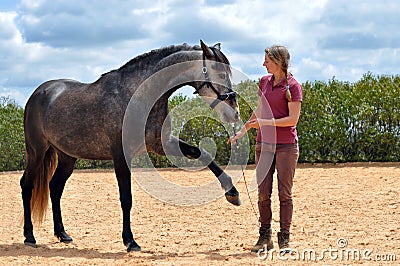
x=217, y=46
x=206, y=50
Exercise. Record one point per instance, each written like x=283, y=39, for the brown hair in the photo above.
x=280, y=55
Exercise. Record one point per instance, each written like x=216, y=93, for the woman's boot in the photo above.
x=283, y=240
x=264, y=240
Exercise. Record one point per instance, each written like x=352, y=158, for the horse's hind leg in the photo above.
x=63, y=172
x=37, y=157
x=27, y=187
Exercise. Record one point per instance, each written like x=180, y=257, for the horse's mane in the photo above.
x=160, y=53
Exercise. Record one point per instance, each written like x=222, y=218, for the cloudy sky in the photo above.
x=81, y=39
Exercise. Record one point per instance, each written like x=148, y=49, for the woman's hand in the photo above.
x=238, y=135
x=253, y=123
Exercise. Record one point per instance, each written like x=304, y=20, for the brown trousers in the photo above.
x=283, y=158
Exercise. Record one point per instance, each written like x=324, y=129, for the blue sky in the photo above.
x=48, y=39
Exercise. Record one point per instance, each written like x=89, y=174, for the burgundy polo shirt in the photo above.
x=274, y=104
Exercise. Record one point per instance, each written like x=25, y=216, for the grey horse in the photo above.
x=66, y=119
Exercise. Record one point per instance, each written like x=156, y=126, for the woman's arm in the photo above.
x=288, y=121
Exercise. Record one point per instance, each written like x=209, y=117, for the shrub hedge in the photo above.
x=340, y=122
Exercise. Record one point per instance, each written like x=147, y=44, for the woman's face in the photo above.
x=271, y=66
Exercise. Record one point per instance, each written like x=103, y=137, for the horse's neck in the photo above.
x=177, y=58
x=164, y=74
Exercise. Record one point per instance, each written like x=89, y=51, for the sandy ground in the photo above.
x=341, y=211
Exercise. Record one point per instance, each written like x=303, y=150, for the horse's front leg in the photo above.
x=231, y=193
x=177, y=147
x=125, y=195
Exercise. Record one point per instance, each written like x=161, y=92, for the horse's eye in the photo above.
x=222, y=76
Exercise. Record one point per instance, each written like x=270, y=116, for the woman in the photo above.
x=276, y=117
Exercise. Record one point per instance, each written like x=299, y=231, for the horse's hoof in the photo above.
x=64, y=237
x=232, y=196
x=133, y=246
x=30, y=244
x=30, y=240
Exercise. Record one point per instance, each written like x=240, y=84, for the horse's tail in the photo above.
x=40, y=193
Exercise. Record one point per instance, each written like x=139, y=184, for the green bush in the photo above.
x=12, y=143
x=343, y=122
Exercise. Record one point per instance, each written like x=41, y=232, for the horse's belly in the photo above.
x=84, y=147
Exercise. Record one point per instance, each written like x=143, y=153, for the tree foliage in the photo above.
x=12, y=144
x=344, y=122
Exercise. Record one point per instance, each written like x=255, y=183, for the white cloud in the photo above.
x=79, y=23
x=13, y=94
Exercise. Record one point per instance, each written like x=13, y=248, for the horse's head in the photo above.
x=216, y=85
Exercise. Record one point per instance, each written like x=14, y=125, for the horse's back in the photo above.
x=48, y=92
x=41, y=99
x=68, y=115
